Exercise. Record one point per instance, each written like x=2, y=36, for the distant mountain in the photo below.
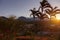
x=22, y=18
x=27, y=19
x=2, y=17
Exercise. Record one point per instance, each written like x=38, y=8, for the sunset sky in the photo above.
x=21, y=7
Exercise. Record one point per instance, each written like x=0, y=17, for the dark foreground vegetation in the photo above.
x=11, y=28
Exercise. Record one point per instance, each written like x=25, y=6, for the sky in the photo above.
x=21, y=7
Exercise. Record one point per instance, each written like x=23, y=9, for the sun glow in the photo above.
x=58, y=16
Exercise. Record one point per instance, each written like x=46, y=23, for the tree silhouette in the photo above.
x=53, y=11
x=40, y=15
x=45, y=4
x=35, y=13
x=46, y=8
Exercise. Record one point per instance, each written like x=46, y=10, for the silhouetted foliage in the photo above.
x=53, y=11
x=45, y=4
